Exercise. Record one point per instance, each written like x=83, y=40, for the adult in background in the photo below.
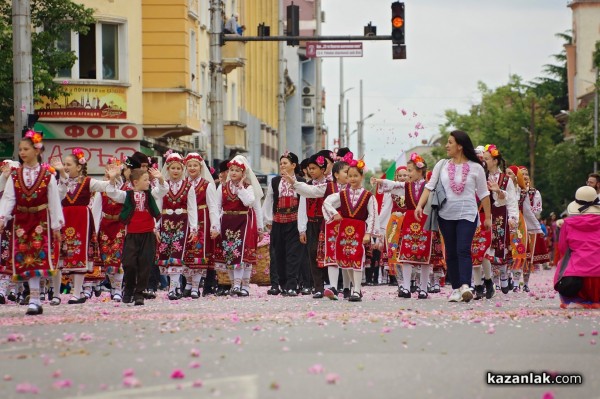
x=577, y=276
x=593, y=181
x=461, y=176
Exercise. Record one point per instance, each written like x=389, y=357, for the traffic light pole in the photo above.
x=235, y=38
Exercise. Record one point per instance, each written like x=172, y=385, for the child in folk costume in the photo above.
x=31, y=198
x=390, y=219
x=241, y=224
x=79, y=243
x=179, y=219
x=531, y=202
x=199, y=249
x=505, y=216
x=7, y=287
x=284, y=213
x=518, y=236
x=416, y=244
x=356, y=208
x=111, y=231
x=139, y=214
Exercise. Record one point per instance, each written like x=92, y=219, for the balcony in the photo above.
x=235, y=135
x=233, y=55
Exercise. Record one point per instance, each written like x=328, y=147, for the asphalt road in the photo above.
x=276, y=347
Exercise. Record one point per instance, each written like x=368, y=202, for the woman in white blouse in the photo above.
x=461, y=176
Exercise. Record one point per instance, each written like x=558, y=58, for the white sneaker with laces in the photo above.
x=466, y=293
x=455, y=296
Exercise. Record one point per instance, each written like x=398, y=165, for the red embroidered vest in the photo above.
x=81, y=196
x=361, y=212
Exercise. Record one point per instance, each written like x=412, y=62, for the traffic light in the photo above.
x=398, y=24
x=293, y=23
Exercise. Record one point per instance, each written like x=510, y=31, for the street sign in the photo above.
x=333, y=49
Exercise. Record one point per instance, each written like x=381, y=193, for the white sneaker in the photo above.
x=455, y=296
x=466, y=293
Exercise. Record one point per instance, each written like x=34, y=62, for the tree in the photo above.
x=50, y=20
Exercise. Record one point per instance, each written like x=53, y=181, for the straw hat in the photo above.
x=586, y=201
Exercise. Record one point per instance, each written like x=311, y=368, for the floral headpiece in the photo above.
x=116, y=161
x=321, y=160
x=193, y=156
x=417, y=160
x=174, y=157
x=36, y=138
x=360, y=164
x=235, y=162
x=492, y=149
x=78, y=152
x=347, y=158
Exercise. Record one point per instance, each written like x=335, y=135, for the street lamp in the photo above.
x=341, y=117
x=361, y=138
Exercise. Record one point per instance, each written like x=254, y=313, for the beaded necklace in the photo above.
x=458, y=188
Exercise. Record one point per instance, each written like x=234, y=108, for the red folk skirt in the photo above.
x=350, y=251
x=393, y=236
x=415, y=246
x=481, y=242
x=199, y=252
x=330, y=234
x=518, y=243
x=236, y=248
x=79, y=244
x=6, y=249
x=111, y=237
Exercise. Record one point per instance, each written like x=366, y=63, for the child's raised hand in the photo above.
x=5, y=169
x=57, y=164
x=154, y=173
x=337, y=216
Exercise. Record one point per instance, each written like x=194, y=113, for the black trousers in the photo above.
x=286, y=254
x=139, y=251
x=312, y=240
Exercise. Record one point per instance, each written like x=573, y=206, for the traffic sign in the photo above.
x=333, y=49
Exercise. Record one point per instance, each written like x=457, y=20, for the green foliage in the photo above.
x=50, y=19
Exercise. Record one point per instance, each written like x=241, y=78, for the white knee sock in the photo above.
x=503, y=276
x=246, y=278
x=196, y=281
x=406, y=275
x=425, y=270
x=117, y=282
x=487, y=269
x=55, y=282
x=357, y=276
x=477, y=275
x=174, y=283
x=77, y=285
x=238, y=274
x=4, y=283
x=334, y=273
x=399, y=275
x=34, y=290
x=346, y=278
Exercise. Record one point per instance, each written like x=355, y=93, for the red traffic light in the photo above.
x=397, y=22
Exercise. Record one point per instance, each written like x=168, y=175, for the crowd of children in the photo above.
x=189, y=224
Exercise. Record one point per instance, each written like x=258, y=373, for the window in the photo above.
x=193, y=61
x=101, y=49
x=203, y=10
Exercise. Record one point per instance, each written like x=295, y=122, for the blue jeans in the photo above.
x=458, y=236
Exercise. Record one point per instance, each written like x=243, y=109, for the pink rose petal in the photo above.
x=198, y=383
x=593, y=342
x=237, y=341
x=316, y=369
x=57, y=374
x=27, y=388
x=595, y=332
x=548, y=395
x=128, y=373
x=177, y=374
x=131, y=382
x=195, y=352
x=332, y=378
x=194, y=365
x=62, y=384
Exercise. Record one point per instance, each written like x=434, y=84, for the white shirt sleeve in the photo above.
x=219, y=206
x=213, y=209
x=386, y=212
x=309, y=190
x=98, y=186
x=302, y=215
x=512, y=202
x=97, y=210
x=536, y=207
x=267, y=207
x=435, y=175
x=330, y=206
x=160, y=190
x=3, y=180
x=8, y=201
x=373, y=217
x=192, y=209
x=62, y=188
x=390, y=186
x=480, y=181
x=246, y=195
x=57, y=219
x=259, y=215
x=115, y=194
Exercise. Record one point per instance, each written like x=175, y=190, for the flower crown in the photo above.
x=360, y=164
x=78, y=152
x=49, y=168
x=234, y=162
x=492, y=149
x=36, y=138
x=417, y=160
x=347, y=158
x=193, y=156
x=320, y=160
x=116, y=161
x=173, y=157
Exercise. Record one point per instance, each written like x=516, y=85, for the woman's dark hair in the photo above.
x=83, y=166
x=463, y=139
x=336, y=168
x=30, y=141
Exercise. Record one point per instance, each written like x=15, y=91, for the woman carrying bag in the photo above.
x=461, y=177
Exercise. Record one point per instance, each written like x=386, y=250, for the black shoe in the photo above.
x=507, y=289
x=478, y=292
x=436, y=289
x=422, y=295
x=318, y=295
x=173, y=295
x=195, y=294
x=24, y=300
x=2, y=299
x=490, y=291
x=139, y=301
x=306, y=291
x=97, y=291
x=273, y=291
x=413, y=286
x=222, y=291
x=34, y=310
x=346, y=293
x=243, y=292
x=50, y=293
x=77, y=301
x=526, y=288
x=355, y=297
x=292, y=293
x=511, y=284
x=186, y=293
x=393, y=281
x=210, y=290
x=403, y=292
x=12, y=296
x=127, y=297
